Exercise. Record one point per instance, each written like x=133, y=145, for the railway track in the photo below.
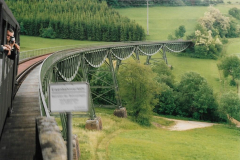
x=24, y=68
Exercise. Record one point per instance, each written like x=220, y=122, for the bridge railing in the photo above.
x=41, y=51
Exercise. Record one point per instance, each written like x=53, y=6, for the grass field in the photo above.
x=122, y=139
x=232, y=47
x=207, y=143
x=164, y=20
x=31, y=43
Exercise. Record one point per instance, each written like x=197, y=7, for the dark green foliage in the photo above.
x=75, y=19
x=179, y=33
x=195, y=97
x=166, y=98
x=166, y=104
x=233, y=83
x=192, y=97
x=233, y=30
x=230, y=67
x=230, y=104
x=22, y=29
x=164, y=73
x=224, y=40
x=137, y=3
x=113, y=3
x=202, y=51
x=235, y=12
x=48, y=33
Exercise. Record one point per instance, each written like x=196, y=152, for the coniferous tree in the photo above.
x=85, y=19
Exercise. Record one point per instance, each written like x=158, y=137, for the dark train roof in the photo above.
x=7, y=15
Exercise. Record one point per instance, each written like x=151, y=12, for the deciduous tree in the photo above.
x=230, y=67
x=138, y=88
x=230, y=104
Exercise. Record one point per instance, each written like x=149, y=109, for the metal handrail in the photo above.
x=41, y=51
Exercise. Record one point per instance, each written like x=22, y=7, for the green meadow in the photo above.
x=164, y=20
x=31, y=42
x=121, y=139
x=202, y=144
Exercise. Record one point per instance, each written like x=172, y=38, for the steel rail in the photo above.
x=21, y=76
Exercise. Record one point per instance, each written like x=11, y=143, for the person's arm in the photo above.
x=17, y=46
x=6, y=48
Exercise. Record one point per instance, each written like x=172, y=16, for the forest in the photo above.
x=75, y=19
x=137, y=3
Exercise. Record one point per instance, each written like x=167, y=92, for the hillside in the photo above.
x=75, y=19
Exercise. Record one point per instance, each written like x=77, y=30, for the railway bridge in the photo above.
x=18, y=134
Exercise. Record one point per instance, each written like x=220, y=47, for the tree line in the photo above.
x=75, y=19
x=137, y=3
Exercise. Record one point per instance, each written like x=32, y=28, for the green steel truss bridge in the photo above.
x=64, y=66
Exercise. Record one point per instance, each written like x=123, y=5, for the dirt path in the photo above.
x=181, y=125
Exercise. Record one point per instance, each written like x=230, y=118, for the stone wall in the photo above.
x=49, y=137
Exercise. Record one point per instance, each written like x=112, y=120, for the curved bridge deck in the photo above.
x=18, y=136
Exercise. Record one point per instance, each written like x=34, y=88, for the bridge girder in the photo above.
x=66, y=65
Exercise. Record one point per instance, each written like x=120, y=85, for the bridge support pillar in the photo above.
x=122, y=112
x=95, y=124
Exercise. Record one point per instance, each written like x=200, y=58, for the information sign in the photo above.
x=69, y=97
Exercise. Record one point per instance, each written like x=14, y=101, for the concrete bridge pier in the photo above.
x=121, y=112
x=95, y=124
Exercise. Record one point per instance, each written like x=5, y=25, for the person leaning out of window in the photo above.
x=11, y=42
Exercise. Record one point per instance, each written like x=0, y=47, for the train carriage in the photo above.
x=8, y=65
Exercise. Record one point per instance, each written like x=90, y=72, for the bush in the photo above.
x=233, y=82
x=166, y=101
x=164, y=73
x=224, y=40
x=48, y=33
x=230, y=104
x=195, y=97
x=235, y=12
